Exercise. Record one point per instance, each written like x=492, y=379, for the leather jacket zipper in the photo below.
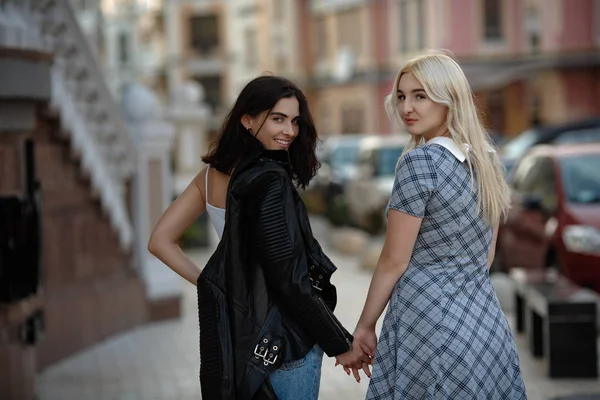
x=336, y=323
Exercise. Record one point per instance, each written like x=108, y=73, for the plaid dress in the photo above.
x=444, y=335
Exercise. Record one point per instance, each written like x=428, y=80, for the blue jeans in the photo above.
x=299, y=379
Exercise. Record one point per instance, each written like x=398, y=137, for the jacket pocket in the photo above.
x=291, y=365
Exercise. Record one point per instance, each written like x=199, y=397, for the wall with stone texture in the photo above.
x=90, y=288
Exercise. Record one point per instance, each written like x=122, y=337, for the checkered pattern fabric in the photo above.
x=444, y=335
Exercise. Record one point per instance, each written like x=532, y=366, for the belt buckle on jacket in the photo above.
x=261, y=349
x=269, y=355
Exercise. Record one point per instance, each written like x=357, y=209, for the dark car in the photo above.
x=584, y=131
x=369, y=191
x=338, y=156
x=555, y=216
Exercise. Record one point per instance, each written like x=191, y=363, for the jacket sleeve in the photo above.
x=286, y=273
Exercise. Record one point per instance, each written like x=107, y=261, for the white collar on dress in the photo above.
x=451, y=145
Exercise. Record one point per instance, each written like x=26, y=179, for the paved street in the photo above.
x=160, y=360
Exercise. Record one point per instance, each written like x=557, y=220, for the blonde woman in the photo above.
x=444, y=335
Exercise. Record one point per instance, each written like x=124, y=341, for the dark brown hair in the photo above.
x=234, y=141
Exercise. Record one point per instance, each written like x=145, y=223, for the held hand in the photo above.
x=366, y=339
x=354, y=360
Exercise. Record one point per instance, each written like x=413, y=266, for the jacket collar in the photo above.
x=257, y=150
x=280, y=156
x=259, y=153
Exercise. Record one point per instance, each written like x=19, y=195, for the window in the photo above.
x=533, y=28
x=495, y=110
x=204, y=31
x=349, y=28
x=492, y=20
x=386, y=160
x=581, y=179
x=579, y=136
x=516, y=147
x=411, y=19
x=212, y=90
x=320, y=38
x=353, y=119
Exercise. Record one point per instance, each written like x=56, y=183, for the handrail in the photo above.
x=89, y=114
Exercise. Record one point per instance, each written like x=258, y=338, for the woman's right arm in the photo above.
x=171, y=226
x=415, y=183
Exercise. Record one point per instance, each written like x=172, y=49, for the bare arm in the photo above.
x=180, y=215
x=400, y=239
x=492, y=251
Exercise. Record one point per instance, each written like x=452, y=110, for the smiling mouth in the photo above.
x=283, y=142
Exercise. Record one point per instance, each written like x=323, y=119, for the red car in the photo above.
x=555, y=215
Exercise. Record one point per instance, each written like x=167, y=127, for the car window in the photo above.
x=581, y=180
x=579, y=136
x=518, y=146
x=386, y=160
x=539, y=180
x=543, y=185
x=517, y=177
x=344, y=154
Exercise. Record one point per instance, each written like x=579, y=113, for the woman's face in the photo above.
x=421, y=115
x=280, y=127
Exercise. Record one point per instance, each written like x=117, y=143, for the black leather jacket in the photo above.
x=264, y=297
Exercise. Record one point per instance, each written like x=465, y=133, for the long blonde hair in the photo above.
x=445, y=83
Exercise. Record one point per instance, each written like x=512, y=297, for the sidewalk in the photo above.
x=160, y=361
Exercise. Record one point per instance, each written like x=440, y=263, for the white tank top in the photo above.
x=215, y=214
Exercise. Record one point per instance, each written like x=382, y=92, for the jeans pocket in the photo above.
x=293, y=364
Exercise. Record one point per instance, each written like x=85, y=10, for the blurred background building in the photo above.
x=107, y=105
x=345, y=53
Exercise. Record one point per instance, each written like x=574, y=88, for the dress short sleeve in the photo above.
x=414, y=184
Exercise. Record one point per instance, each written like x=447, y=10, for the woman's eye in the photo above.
x=420, y=97
x=401, y=97
x=278, y=119
x=296, y=122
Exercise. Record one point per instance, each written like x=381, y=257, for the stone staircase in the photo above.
x=89, y=116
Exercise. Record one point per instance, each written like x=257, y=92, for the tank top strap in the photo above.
x=206, y=184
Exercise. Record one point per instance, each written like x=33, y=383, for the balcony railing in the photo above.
x=88, y=113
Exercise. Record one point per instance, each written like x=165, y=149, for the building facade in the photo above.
x=128, y=41
x=68, y=278
x=529, y=62
x=263, y=38
x=347, y=72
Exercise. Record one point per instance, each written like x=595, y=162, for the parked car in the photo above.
x=555, y=215
x=369, y=190
x=584, y=131
x=338, y=156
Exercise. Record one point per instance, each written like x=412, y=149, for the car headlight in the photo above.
x=582, y=239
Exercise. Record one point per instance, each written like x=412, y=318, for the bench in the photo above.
x=559, y=320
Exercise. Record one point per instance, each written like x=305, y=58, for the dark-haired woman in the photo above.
x=265, y=298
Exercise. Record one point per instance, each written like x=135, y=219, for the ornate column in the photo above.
x=152, y=194
x=190, y=115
